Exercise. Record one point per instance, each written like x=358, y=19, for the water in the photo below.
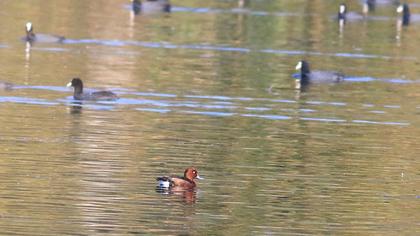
x=209, y=85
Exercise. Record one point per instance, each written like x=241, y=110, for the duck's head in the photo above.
x=191, y=173
x=405, y=11
x=76, y=83
x=29, y=27
x=302, y=79
x=136, y=6
x=342, y=10
x=303, y=66
x=403, y=8
x=369, y=5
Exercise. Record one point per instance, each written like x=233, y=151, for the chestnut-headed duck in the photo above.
x=186, y=182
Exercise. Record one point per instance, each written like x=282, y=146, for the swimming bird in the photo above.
x=150, y=6
x=136, y=6
x=187, y=181
x=374, y=3
x=405, y=10
x=77, y=84
x=307, y=76
x=6, y=85
x=44, y=38
x=344, y=15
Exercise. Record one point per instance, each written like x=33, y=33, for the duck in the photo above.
x=344, y=15
x=369, y=6
x=77, y=84
x=186, y=182
x=405, y=10
x=31, y=37
x=307, y=76
x=6, y=85
x=374, y=3
x=136, y=6
x=150, y=6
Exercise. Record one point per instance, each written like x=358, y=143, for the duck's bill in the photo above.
x=69, y=84
x=198, y=177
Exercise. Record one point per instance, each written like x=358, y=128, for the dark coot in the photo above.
x=307, y=76
x=405, y=10
x=31, y=37
x=150, y=6
x=77, y=84
x=136, y=6
x=369, y=6
x=6, y=85
x=374, y=3
x=344, y=15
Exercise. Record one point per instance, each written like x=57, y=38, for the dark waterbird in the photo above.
x=150, y=6
x=6, y=85
x=31, y=37
x=136, y=6
x=374, y=3
x=405, y=10
x=307, y=76
x=344, y=15
x=369, y=5
x=77, y=84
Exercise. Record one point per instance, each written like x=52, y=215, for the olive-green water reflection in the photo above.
x=208, y=85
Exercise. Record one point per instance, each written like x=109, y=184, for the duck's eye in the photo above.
x=194, y=172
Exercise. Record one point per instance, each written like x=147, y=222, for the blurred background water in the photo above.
x=209, y=85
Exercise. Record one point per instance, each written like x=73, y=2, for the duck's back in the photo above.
x=155, y=6
x=173, y=181
x=48, y=38
x=387, y=2
x=325, y=76
x=6, y=85
x=354, y=16
x=100, y=95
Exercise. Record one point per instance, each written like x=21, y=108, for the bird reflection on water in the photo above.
x=188, y=196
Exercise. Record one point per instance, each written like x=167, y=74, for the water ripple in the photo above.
x=154, y=110
x=26, y=100
x=269, y=117
x=381, y=122
x=223, y=106
x=209, y=113
x=207, y=47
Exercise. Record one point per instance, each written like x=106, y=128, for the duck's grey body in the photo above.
x=6, y=85
x=307, y=76
x=324, y=76
x=153, y=6
x=31, y=37
x=344, y=15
